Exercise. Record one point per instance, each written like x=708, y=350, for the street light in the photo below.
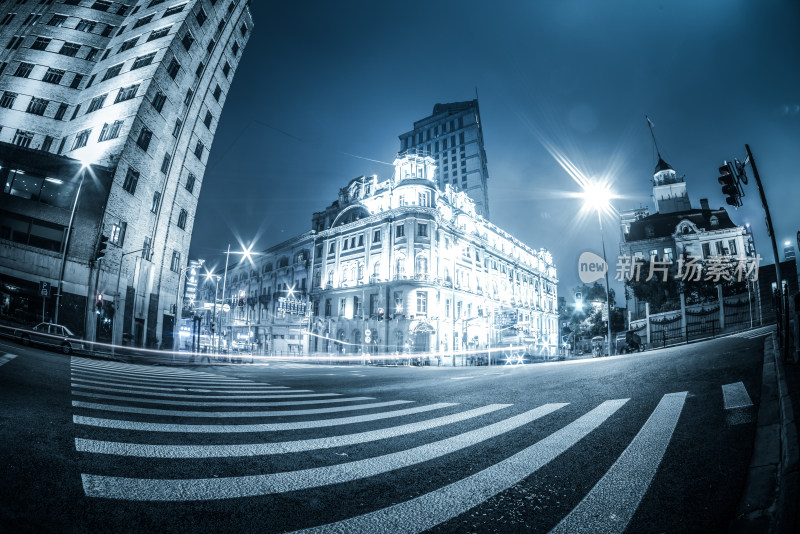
x=597, y=196
x=211, y=276
x=246, y=254
x=179, y=301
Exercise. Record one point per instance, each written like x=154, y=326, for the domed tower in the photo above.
x=669, y=189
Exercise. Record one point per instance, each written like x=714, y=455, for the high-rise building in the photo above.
x=788, y=251
x=453, y=137
x=108, y=110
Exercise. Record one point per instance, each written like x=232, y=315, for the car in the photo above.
x=52, y=335
x=628, y=341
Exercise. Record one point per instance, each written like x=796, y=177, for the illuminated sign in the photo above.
x=292, y=306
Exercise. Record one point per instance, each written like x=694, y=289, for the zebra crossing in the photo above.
x=5, y=358
x=152, y=404
x=756, y=332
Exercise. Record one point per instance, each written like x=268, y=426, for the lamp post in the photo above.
x=66, y=241
x=178, y=301
x=597, y=196
x=211, y=276
x=117, y=296
x=246, y=253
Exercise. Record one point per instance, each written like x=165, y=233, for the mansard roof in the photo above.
x=664, y=224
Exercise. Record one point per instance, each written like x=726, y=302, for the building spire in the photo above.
x=653, y=135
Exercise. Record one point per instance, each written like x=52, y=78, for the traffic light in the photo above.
x=727, y=180
x=240, y=303
x=212, y=327
x=98, y=303
x=380, y=314
x=102, y=245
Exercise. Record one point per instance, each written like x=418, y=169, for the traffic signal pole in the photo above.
x=66, y=245
x=771, y=233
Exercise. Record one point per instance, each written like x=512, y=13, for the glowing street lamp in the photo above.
x=246, y=254
x=597, y=196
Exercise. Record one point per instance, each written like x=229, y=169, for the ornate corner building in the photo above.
x=108, y=110
x=397, y=265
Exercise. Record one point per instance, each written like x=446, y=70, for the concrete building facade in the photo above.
x=453, y=136
x=110, y=107
x=396, y=266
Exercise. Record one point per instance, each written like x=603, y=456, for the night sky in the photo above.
x=325, y=88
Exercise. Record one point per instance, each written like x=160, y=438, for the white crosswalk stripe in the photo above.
x=147, y=402
x=735, y=396
x=5, y=358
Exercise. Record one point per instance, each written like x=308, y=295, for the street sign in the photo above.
x=367, y=336
x=44, y=288
x=226, y=307
x=368, y=332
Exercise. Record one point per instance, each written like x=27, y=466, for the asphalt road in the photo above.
x=639, y=443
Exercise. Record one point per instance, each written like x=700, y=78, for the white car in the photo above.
x=52, y=335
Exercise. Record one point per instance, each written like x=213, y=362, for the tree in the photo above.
x=587, y=321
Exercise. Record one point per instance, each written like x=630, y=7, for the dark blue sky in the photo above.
x=321, y=80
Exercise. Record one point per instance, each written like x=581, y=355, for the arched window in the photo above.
x=356, y=347
x=283, y=262
x=360, y=272
x=329, y=283
x=376, y=270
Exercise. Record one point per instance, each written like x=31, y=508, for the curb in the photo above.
x=769, y=500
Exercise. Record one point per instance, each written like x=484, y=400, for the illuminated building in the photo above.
x=121, y=99
x=453, y=136
x=411, y=264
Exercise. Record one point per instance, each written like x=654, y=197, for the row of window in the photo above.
x=435, y=131
x=350, y=243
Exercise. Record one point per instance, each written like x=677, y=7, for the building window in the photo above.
x=117, y=236
x=76, y=81
x=87, y=26
x=332, y=248
x=53, y=76
x=177, y=128
x=243, y=29
x=81, y=139
x=182, y=219
x=101, y=5
x=158, y=34
x=156, y=202
x=187, y=41
x=144, y=138
x=732, y=247
x=217, y=92
x=158, y=101
x=174, y=68
x=37, y=106
x=207, y=120
x=175, y=264
x=190, y=182
x=57, y=20
x=235, y=48
x=342, y=307
x=23, y=70
x=143, y=61
x=110, y=131
x=23, y=138
x=144, y=20
x=96, y=103
x=165, y=163
x=226, y=69
x=48, y=142
x=198, y=150
x=356, y=307
x=8, y=99
x=147, y=248
x=174, y=9
x=422, y=230
x=40, y=43
x=188, y=97
x=201, y=17
x=376, y=236
x=210, y=46
x=422, y=302
x=706, y=250
x=131, y=179
x=126, y=93
x=199, y=70
x=327, y=307
x=127, y=45
x=112, y=72
x=400, y=231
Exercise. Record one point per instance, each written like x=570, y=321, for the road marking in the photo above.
x=735, y=396
x=170, y=381
x=220, y=404
x=7, y=358
x=274, y=427
x=142, y=376
x=155, y=371
x=271, y=413
x=200, y=394
x=143, y=489
x=436, y=507
x=260, y=449
x=188, y=387
x=609, y=507
x=461, y=377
